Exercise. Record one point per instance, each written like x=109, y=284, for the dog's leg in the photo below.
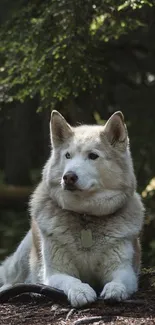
x=60, y=272
x=123, y=283
x=120, y=273
x=78, y=293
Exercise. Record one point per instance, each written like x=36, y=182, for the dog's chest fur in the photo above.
x=79, y=233
x=86, y=246
x=81, y=241
x=82, y=245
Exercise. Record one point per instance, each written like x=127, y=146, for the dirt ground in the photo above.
x=27, y=309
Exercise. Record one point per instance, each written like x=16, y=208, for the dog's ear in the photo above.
x=59, y=128
x=116, y=131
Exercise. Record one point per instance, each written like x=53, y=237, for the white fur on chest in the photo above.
x=67, y=226
x=81, y=241
x=108, y=241
x=79, y=232
x=84, y=256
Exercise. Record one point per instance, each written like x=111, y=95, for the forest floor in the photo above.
x=139, y=310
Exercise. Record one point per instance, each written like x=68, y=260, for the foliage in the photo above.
x=59, y=48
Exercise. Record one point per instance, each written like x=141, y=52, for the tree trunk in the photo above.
x=18, y=144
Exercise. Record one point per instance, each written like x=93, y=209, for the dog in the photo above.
x=86, y=217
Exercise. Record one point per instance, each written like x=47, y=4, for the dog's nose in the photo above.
x=70, y=178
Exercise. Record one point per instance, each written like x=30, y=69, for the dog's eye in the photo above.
x=67, y=155
x=92, y=156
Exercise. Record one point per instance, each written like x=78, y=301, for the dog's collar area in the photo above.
x=86, y=232
x=85, y=218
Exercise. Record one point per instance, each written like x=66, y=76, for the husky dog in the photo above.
x=85, y=217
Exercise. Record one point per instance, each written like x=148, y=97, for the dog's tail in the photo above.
x=15, y=269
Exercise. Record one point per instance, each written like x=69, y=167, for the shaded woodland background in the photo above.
x=87, y=59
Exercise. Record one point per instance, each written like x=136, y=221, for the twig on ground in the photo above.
x=128, y=301
x=134, y=301
x=70, y=313
x=85, y=310
x=89, y=320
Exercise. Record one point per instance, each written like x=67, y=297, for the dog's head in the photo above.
x=89, y=162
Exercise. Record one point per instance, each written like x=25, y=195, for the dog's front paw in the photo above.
x=114, y=291
x=81, y=295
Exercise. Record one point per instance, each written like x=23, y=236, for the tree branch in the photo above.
x=44, y=290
